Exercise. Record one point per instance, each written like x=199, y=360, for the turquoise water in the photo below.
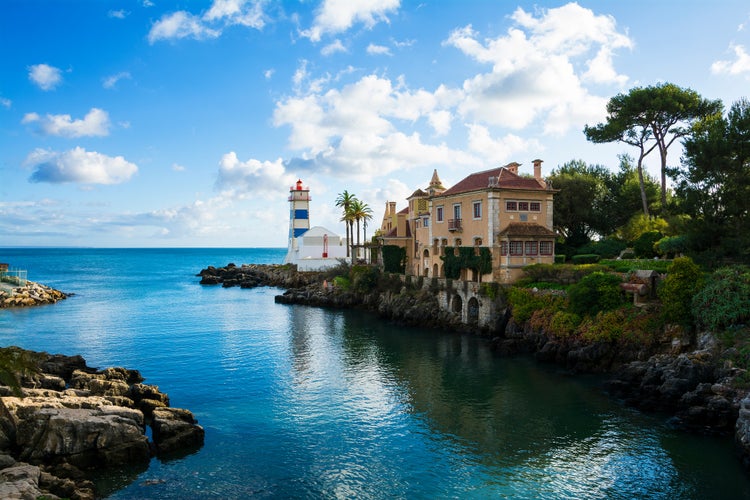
x=300, y=402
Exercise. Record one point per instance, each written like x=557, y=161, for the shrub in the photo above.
x=725, y=300
x=671, y=245
x=684, y=279
x=626, y=266
x=341, y=282
x=607, y=248
x=596, y=292
x=558, y=273
x=564, y=324
x=394, y=259
x=643, y=246
x=589, y=258
x=605, y=326
x=524, y=303
x=364, y=278
x=625, y=324
x=559, y=258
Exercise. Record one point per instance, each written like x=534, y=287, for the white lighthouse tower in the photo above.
x=299, y=210
x=310, y=249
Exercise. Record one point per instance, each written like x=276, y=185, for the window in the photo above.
x=503, y=248
x=516, y=247
x=477, y=209
x=535, y=206
x=530, y=248
x=511, y=206
x=523, y=206
x=545, y=247
x=478, y=242
x=439, y=214
x=457, y=211
x=426, y=222
x=458, y=242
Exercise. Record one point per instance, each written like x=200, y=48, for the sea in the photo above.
x=307, y=403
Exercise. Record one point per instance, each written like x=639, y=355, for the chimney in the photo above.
x=538, y=171
x=513, y=167
x=391, y=207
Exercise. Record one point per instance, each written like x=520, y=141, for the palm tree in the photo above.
x=344, y=201
x=361, y=212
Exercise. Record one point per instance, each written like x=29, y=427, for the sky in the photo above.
x=156, y=123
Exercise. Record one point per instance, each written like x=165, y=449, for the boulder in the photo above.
x=175, y=429
x=21, y=481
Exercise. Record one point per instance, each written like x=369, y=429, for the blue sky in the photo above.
x=154, y=123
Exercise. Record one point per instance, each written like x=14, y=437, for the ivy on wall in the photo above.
x=394, y=259
x=467, y=258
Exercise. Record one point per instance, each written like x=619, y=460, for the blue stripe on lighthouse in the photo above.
x=301, y=213
x=299, y=231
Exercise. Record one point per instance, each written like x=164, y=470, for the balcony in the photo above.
x=454, y=224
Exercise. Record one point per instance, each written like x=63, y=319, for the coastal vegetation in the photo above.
x=353, y=211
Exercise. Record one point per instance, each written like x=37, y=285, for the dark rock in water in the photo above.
x=175, y=429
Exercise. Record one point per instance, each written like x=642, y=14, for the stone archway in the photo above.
x=472, y=312
x=457, y=304
x=435, y=270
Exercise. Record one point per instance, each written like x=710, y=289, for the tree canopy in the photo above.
x=715, y=184
x=652, y=118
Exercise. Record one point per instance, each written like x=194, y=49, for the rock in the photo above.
x=175, y=429
x=74, y=419
x=22, y=482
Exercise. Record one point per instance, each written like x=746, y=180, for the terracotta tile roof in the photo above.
x=502, y=178
x=526, y=229
x=404, y=210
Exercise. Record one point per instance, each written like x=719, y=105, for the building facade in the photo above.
x=497, y=210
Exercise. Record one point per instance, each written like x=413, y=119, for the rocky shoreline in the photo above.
x=30, y=294
x=689, y=380
x=66, y=419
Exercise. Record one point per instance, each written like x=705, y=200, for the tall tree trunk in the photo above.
x=348, y=240
x=663, y=154
x=644, y=198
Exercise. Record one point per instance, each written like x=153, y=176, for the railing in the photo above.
x=454, y=224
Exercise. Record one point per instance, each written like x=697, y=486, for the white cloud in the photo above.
x=337, y=16
x=95, y=123
x=738, y=66
x=79, y=166
x=373, y=49
x=177, y=167
x=44, y=76
x=440, y=121
x=354, y=131
x=332, y=48
x=118, y=14
x=221, y=14
x=538, y=68
x=242, y=12
x=179, y=25
x=6, y=103
x=500, y=150
x=111, y=81
x=269, y=73
x=252, y=178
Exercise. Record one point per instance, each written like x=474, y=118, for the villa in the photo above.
x=502, y=218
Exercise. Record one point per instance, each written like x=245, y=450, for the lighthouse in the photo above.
x=310, y=249
x=299, y=210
